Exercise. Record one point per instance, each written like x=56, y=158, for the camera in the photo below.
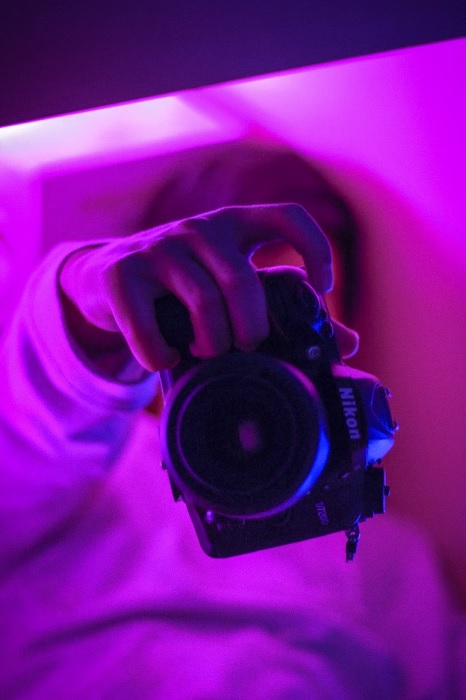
x=277, y=445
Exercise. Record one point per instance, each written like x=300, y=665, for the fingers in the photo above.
x=130, y=298
x=241, y=291
x=222, y=241
x=205, y=263
x=225, y=308
x=202, y=296
x=245, y=300
x=252, y=226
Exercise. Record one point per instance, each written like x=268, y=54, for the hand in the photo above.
x=109, y=290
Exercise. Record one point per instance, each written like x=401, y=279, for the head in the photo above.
x=247, y=173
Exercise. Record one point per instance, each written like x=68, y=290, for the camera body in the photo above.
x=278, y=445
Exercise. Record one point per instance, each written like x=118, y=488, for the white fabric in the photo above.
x=105, y=592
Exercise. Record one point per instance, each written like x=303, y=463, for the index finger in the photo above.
x=288, y=222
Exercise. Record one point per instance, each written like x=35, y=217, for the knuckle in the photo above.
x=117, y=277
x=298, y=215
x=296, y=210
x=166, y=247
x=195, y=230
x=212, y=227
x=237, y=277
x=126, y=266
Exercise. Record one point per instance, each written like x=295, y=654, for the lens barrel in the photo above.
x=244, y=435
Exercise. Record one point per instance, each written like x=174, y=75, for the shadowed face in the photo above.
x=244, y=174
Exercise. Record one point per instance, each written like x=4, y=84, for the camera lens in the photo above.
x=244, y=435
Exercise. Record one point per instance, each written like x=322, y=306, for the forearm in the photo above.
x=62, y=425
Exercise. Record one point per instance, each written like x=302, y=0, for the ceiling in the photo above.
x=60, y=57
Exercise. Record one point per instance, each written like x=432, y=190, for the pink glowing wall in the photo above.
x=389, y=131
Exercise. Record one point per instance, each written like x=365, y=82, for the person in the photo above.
x=104, y=590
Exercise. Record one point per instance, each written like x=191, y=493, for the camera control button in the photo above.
x=209, y=517
x=326, y=330
x=314, y=352
x=311, y=300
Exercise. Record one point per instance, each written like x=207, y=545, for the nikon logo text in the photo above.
x=350, y=411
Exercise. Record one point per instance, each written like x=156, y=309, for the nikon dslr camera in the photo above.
x=277, y=445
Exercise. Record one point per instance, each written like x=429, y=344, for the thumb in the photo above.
x=347, y=339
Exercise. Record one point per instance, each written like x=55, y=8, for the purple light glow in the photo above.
x=100, y=136
x=398, y=115
x=249, y=435
x=88, y=175
x=124, y=595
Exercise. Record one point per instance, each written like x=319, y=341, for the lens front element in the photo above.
x=244, y=435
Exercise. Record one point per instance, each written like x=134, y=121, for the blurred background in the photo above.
x=387, y=128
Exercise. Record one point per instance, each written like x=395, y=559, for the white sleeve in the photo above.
x=61, y=425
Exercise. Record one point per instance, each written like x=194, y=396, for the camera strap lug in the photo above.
x=353, y=536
